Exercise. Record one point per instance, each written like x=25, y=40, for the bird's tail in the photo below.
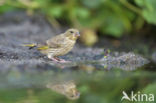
x=31, y=46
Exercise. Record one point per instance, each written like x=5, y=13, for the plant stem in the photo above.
x=131, y=7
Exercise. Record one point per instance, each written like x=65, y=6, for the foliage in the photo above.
x=112, y=17
x=148, y=9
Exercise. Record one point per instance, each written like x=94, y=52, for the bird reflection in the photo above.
x=67, y=89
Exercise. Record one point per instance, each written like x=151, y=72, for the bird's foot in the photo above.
x=58, y=60
x=63, y=61
x=53, y=59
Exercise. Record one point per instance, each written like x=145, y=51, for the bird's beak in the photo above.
x=77, y=34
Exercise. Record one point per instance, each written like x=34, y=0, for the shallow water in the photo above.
x=82, y=83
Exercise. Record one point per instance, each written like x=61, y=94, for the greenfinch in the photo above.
x=58, y=45
x=67, y=89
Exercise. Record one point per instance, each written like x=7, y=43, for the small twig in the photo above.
x=131, y=7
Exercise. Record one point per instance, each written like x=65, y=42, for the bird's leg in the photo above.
x=54, y=59
x=60, y=60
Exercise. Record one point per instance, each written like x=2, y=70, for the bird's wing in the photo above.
x=43, y=47
x=56, y=41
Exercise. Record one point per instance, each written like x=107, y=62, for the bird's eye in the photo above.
x=71, y=32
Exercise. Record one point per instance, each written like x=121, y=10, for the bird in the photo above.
x=58, y=45
x=66, y=88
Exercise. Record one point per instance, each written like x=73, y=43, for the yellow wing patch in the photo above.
x=29, y=45
x=43, y=48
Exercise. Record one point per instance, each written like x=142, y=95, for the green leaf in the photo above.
x=56, y=11
x=91, y=3
x=113, y=26
x=148, y=10
x=82, y=12
x=5, y=8
x=149, y=89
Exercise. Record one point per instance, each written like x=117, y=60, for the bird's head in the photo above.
x=72, y=93
x=72, y=34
